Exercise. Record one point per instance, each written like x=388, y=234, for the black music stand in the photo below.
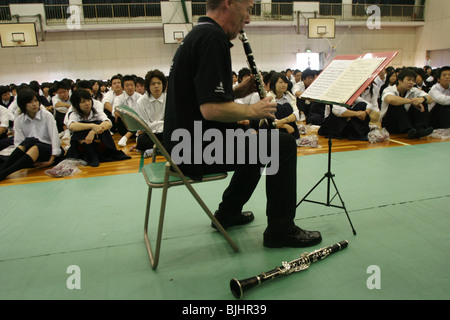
x=330, y=178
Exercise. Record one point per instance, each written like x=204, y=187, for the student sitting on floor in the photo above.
x=347, y=123
x=307, y=79
x=61, y=104
x=150, y=107
x=35, y=136
x=109, y=98
x=287, y=113
x=402, y=108
x=91, y=140
x=128, y=98
x=440, y=108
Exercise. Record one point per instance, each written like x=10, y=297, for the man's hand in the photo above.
x=245, y=87
x=264, y=108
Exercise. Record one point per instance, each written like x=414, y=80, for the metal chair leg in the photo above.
x=211, y=216
x=154, y=256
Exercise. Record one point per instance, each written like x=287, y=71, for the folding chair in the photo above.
x=165, y=175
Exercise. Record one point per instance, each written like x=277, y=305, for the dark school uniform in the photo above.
x=103, y=151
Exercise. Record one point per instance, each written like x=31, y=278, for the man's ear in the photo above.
x=228, y=3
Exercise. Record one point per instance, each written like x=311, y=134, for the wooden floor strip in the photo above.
x=132, y=165
x=399, y=142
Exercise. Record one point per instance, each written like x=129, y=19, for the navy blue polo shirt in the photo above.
x=200, y=72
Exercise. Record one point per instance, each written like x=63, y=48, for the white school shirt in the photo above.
x=299, y=86
x=151, y=110
x=4, y=117
x=99, y=115
x=339, y=110
x=393, y=91
x=42, y=127
x=109, y=96
x=125, y=100
x=13, y=110
x=440, y=96
x=379, y=82
x=56, y=99
x=249, y=99
x=97, y=105
x=287, y=98
x=373, y=100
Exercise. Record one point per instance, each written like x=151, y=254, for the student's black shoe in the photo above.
x=233, y=220
x=296, y=238
x=425, y=132
x=412, y=133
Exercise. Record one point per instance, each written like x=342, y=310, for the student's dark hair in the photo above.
x=3, y=90
x=308, y=73
x=439, y=73
x=390, y=69
x=242, y=73
x=128, y=78
x=274, y=79
x=84, y=84
x=117, y=76
x=140, y=80
x=152, y=74
x=61, y=85
x=25, y=96
x=46, y=85
x=420, y=72
x=267, y=77
x=76, y=98
x=35, y=86
x=405, y=72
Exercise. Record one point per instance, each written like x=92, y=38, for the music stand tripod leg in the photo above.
x=330, y=176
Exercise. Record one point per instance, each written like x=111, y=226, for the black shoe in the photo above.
x=412, y=133
x=296, y=238
x=233, y=220
x=425, y=132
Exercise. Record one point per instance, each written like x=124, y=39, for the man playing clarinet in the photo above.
x=200, y=92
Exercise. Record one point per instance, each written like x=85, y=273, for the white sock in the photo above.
x=123, y=141
x=148, y=153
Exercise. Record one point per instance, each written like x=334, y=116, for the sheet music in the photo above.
x=341, y=79
x=326, y=78
x=351, y=79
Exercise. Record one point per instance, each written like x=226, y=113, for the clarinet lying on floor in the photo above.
x=238, y=287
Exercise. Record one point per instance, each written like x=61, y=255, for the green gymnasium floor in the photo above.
x=398, y=200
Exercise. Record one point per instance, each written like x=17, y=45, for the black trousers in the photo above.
x=59, y=117
x=143, y=141
x=353, y=129
x=281, y=188
x=398, y=120
x=440, y=116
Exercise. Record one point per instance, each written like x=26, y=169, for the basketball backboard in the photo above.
x=175, y=32
x=320, y=28
x=18, y=35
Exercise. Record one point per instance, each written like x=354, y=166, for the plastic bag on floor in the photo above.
x=442, y=134
x=65, y=168
x=378, y=135
x=311, y=141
